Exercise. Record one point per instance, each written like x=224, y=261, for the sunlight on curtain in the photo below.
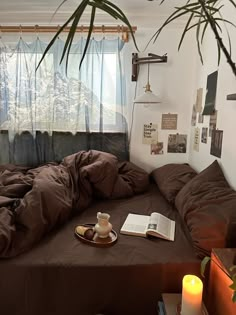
x=90, y=99
x=87, y=100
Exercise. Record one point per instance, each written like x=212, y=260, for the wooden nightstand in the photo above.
x=218, y=297
x=171, y=300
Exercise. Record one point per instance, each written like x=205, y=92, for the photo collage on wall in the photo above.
x=177, y=143
x=209, y=111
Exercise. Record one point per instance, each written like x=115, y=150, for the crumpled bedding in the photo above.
x=35, y=201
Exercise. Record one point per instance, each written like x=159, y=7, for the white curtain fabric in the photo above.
x=90, y=99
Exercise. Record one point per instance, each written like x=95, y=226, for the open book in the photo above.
x=142, y=225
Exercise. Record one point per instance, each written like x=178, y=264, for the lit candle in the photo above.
x=191, y=296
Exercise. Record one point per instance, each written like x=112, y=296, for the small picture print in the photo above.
x=177, y=143
x=196, y=139
x=150, y=134
x=157, y=148
x=213, y=121
x=194, y=116
x=169, y=121
x=199, y=100
x=204, y=135
x=216, y=142
x=210, y=93
x=200, y=118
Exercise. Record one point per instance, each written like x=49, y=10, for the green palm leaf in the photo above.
x=125, y=20
x=204, y=263
x=89, y=35
x=185, y=30
x=57, y=9
x=59, y=31
x=73, y=27
x=233, y=3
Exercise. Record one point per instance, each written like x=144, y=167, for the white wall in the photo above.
x=226, y=109
x=174, y=82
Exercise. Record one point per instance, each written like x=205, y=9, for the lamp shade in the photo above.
x=148, y=97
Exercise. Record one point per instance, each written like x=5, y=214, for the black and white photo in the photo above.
x=204, y=135
x=216, y=143
x=177, y=143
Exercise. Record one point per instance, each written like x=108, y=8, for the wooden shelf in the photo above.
x=231, y=97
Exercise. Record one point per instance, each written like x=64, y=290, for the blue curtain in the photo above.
x=58, y=102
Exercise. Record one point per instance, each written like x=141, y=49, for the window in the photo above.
x=89, y=99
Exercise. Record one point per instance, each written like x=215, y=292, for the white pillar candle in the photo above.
x=191, y=296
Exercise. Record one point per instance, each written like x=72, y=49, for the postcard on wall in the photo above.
x=200, y=118
x=216, y=142
x=177, y=143
x=210, y=93
x=199, y=100
x=150, y=134
x=194, y=116
x=196, y=139
x=157, y=148
x=169, y=121
x=212, y=123
x=204, y=135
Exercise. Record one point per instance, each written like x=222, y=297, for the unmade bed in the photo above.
x=62, y=275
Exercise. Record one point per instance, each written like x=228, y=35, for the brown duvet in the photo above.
x=35, y=201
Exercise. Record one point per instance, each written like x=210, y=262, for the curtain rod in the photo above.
x=124, y=30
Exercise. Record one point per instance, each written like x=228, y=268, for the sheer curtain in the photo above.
x=49, y=113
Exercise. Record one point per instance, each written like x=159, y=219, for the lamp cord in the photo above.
x=132, y=113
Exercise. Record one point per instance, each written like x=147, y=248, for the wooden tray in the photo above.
x=97, y=241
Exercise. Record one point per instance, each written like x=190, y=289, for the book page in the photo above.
x=161, y=225
x=135, y=224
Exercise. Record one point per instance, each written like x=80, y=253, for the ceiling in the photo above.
x=31, y=12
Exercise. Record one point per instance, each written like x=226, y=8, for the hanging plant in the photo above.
x=104, y=5
x=201, y=15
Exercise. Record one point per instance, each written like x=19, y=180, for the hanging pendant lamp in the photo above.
x=148, y=97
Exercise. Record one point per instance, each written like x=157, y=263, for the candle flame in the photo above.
x=193, y=281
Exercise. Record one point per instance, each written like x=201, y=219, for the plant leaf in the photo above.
x=57, y=34
x=169, y=20
x=219, y=53
x=115, y=14
x=234, y=297
x=185, y=30
x=204, y=30
x=233, y=285
x=204, y=262
x=198, y=41
x=229, y=40
x=233, y=3
x=125, y=20
x=226, y=21
x=73, y=27
x=57, y=9
x=73, y=31
x=89, y=35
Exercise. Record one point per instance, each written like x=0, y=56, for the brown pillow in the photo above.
x=171, y=178
x=208, y=205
